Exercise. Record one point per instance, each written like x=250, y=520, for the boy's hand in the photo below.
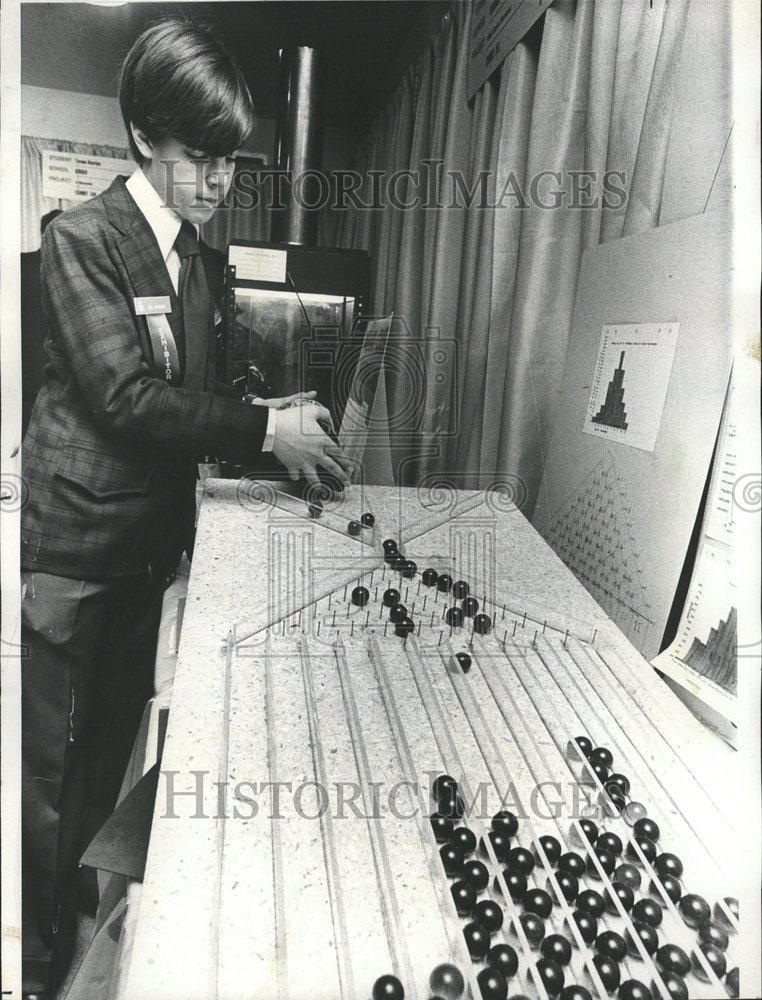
x=302, y=445
x=281, y=402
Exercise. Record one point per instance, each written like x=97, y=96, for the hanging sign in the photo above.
x=497, y=26
x=79, y=176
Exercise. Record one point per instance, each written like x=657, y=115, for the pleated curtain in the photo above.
x=592, y=87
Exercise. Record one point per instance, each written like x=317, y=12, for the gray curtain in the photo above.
x=593, y=88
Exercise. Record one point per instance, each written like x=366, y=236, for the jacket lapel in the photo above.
x=142, y=258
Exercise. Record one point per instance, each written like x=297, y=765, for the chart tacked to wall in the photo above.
x=644, y=384
x=630, y=382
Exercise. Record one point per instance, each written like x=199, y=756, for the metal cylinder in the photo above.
x=297, y=148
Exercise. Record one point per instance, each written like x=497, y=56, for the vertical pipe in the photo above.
x=297, y=147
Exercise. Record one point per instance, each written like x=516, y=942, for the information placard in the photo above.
x=258, y=263
x=79, y=176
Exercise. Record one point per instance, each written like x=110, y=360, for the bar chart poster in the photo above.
x=630, y=381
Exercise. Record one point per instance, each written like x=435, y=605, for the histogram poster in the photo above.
x=717, y=643
x=630, y=382
x=637, y=419
x=702, y=660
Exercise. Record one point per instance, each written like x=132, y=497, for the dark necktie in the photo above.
x=196, y=305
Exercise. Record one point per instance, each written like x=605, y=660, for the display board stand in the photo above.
x=644, y=383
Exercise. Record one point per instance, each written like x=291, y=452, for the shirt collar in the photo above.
x=163, y=220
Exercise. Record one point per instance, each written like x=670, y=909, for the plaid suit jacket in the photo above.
x=109, y=453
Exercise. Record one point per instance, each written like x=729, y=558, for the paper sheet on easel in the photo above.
x=702, y=662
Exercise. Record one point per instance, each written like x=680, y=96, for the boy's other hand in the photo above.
x=302, y=445
x=281, y=402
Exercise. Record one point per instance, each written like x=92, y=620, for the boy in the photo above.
x=128, y=400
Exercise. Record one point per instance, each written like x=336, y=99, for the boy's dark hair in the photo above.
x=178, y=80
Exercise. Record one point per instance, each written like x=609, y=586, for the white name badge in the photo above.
x=151, y=305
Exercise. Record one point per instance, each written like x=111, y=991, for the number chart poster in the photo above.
x=630, y=382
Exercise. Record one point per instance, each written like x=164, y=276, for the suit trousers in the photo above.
x=87, y=672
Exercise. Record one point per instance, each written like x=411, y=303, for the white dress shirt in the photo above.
x=165, y=224
x=162, y=219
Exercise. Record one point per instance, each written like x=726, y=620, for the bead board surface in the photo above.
x=281, y=678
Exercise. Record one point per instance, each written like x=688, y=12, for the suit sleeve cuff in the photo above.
x=245, y=429
x=272, y=416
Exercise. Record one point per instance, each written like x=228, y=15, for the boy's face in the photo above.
x=189, y=180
